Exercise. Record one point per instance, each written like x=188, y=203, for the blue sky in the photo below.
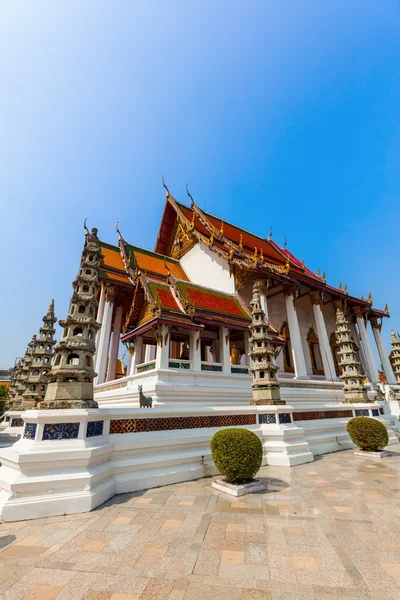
x=275, y=112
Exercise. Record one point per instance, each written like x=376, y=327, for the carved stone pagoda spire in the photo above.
x=349, y=365
x=21, y=375
x=265, y=384
x=71, y=377
x=39, y=368
x=395, y=355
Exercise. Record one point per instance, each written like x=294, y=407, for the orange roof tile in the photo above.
x=112, y=258
x=155, y=264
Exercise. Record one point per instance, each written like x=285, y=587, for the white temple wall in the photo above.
x=88, y=470
x=204, y=267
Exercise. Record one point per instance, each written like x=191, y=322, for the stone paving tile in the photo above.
x=328, y=530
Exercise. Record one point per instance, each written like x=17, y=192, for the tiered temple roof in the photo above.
x=153, y=286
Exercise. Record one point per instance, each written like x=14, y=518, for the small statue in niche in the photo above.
x=185, y=351
x=144, y=401
x=235, y=357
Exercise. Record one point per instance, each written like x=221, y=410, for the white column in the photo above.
x=387, y=367
x=112, y=365
x=162, y=352
x=295, y=338
x=326, y=353
x=264, y=304
x=247, y=348
x=137, y=357
x=195, y=350
x=104, y=342
x=369, y=355
x=129, y=363
x=99, y=319
x=225, y=357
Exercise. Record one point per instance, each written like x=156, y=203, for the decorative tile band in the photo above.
x=375, y=412
x=284, y=418
x=60, y=431
x=267, y=419
x=30, y=431
x=243, y=370
x=317, y=415
x=168, y=423
x=361, y=412
x=17, y=422
x=177, y=364
x=94, y=428
x=148, y=367
x=211, y=367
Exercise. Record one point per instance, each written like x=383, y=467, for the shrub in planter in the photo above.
x=368, y=434
x=237, y=454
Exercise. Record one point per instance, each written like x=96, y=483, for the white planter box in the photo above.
x=239, y=490
x=372, y=455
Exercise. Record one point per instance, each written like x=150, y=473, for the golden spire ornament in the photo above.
x=319, y=273
x=386, y=309
x=324, y=277
x=369, y=299
x=340, y=285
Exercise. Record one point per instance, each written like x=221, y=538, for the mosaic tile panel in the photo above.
x=284, y=418
x=267, y=419
x=243, y=370
x=211, y=368
x=317, y=415
x=177, y=364
x=17, y=422
x=361, y=412
x=60, y=431
x=375, y=412
x=170, y=423
x=94, y=428
x=147, y=367
x=30, y=431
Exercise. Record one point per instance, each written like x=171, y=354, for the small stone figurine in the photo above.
x=144, y=401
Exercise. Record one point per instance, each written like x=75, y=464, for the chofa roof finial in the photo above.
x=166, y=189
x=85, y=228
x=190, y=196
x=118, y=231
x=270, y=234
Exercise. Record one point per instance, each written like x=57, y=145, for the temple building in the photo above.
x=183, y=312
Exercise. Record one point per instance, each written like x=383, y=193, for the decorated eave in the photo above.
x=183, y=227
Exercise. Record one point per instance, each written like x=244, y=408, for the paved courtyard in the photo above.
x=329, y=529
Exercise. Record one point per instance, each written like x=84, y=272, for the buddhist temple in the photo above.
x=183, y=312
x=216, y=327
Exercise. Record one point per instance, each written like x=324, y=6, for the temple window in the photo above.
x=85, y=288
x=78, y=331
x=35, y=372
x=38, y=359
x=44, y=372
x=90, y=257
x=58, y=359
x=87, y=361
x=334, y=349
x=90, y=334
x=178, y=345
x=73, y=359
x=42, y=388
x=88, y=271
x=237, y=348
x=41, y=346
x=48, y=347
x=262, y=374
x=315, y=353
x=46, y=360
x=33, y=388
x=287, y=349
x=81, y=309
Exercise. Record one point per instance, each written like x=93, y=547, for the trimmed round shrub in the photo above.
x=368, y=434
x=237, y=454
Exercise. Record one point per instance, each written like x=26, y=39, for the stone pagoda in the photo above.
x=40, y=365
x=395, y=355
x=71, y=377
x=21, y=375
x=265, y=384
x=349, y=365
